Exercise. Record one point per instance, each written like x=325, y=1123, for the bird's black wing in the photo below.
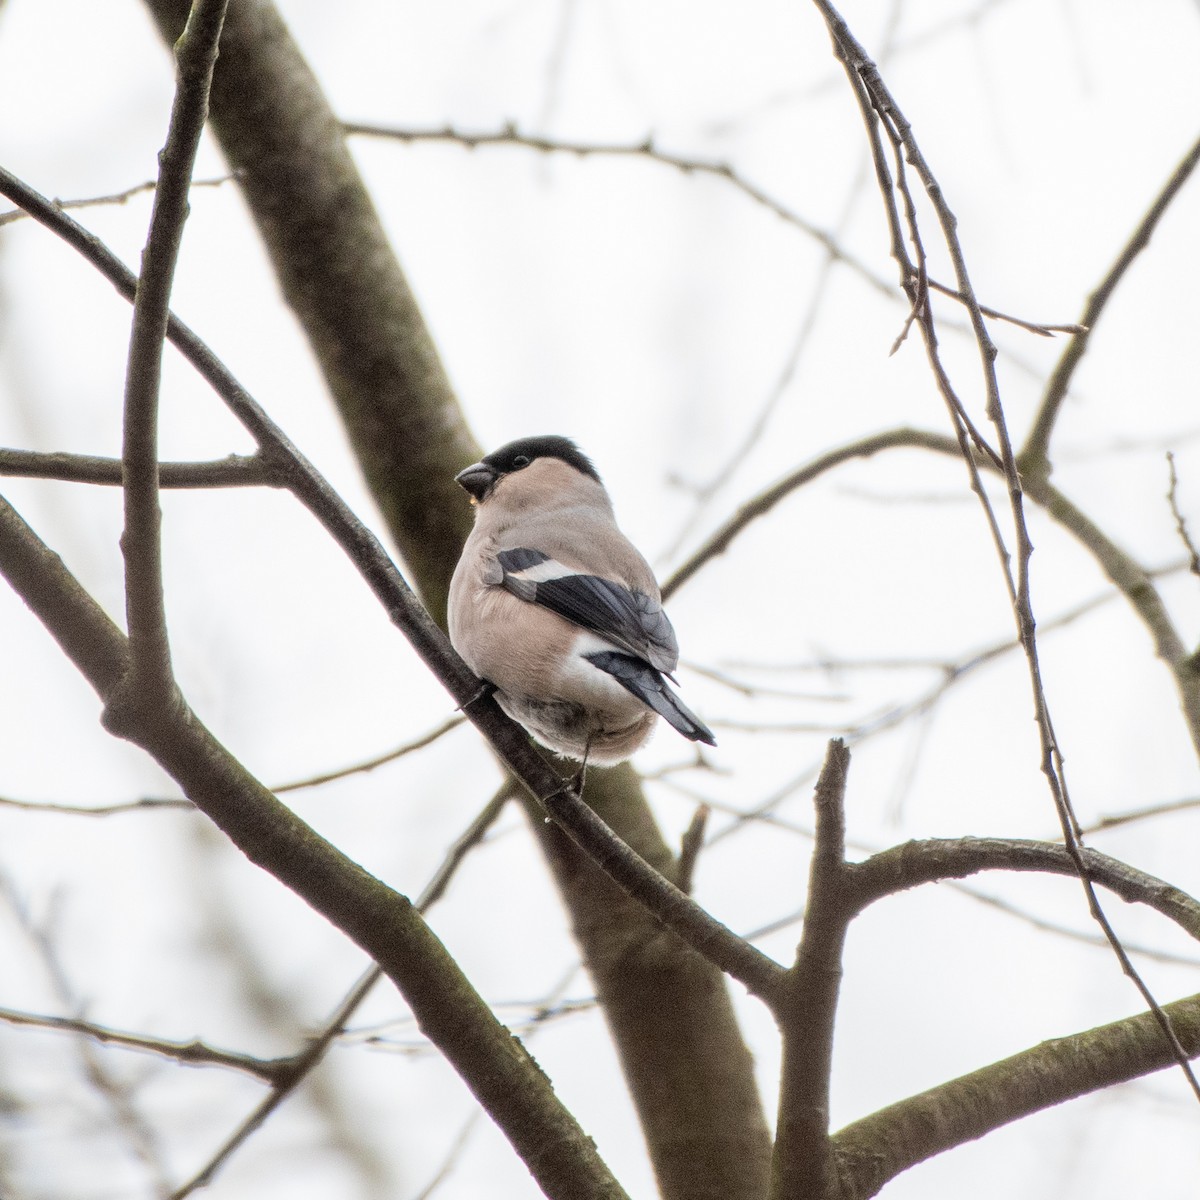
x=630, y=620
x=652, y=689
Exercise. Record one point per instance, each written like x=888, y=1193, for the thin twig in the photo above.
x=1034, y=456
x=510, y=135
x=114, y=198
x=193, y=1053
x=1166, y=808
x=1180, y=524
x=298, y=1069
x=647, y=150
x=1038, y=327
x=719, y=541
x=690, y=846
x=419, y=743
x=98, y=810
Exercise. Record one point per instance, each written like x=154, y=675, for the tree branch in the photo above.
x=1034, y=457
x=869, y=1152
x=913, y=863
x=236, y=470
x=150, y=681
x=806, y=1007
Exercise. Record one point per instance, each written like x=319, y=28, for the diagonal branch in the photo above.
x=876, y=1149
x=1034, y=456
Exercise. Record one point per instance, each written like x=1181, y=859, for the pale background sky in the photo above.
x=648, y=314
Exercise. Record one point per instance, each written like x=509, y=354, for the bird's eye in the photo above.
x=520, y=461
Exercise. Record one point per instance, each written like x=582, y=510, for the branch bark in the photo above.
x=876, y=1149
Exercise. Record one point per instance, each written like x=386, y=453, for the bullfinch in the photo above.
x=551, y=604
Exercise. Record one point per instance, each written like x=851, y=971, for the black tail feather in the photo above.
x=648, y=685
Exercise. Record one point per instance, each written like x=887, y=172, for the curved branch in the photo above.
x=870, y=1152
x=717, y=543
x=1126, y=573
x=915, y=863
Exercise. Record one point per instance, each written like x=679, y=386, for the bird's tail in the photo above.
x=652, y=689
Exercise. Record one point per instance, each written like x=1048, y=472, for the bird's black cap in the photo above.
x=523, y=451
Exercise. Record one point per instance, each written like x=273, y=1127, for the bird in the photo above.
x=553, y=607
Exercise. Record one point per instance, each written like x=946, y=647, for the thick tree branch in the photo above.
x=870, y=1152
x=806, y=1008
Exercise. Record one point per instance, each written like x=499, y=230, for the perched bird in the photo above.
x=551, y=604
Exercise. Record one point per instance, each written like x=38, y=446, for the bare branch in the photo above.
x=150, y=679
x=97, y=810
x=419, y=743
x=631, y=872
x=760, y=974
x=1113, y=820
x=113, y=198
x=870, y=1152
x=718, y=542
x=299, y=1067
x=1034, y=456
x=384, y=924
x=916, y=863
x=193, y=1053
x=236, y=470
x=1180, y=524
x=806, y=1006
x=285, y=1082
x=647, y=150
x=879, y=109
x=1038, y=327
x=689, y=851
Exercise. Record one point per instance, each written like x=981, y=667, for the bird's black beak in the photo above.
x=478, y=479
